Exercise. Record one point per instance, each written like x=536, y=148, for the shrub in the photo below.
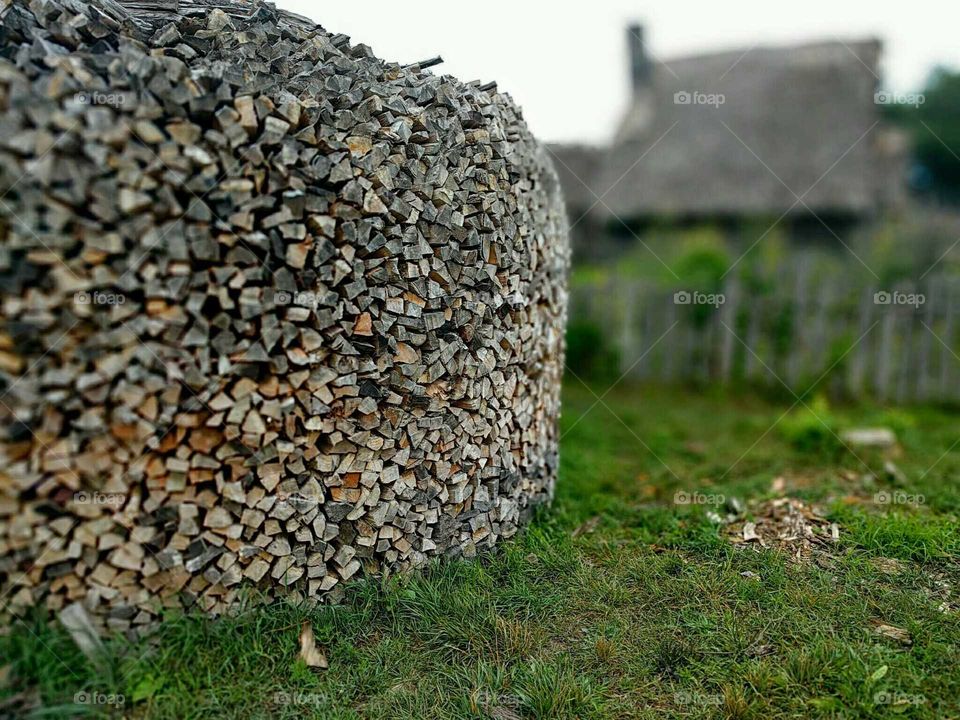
x=703, y=266
x=589, y=353
x=812, y=429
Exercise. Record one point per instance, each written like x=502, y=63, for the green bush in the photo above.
x=589, y=353
x=812, y=428
x=703, y=267
x=935, y=127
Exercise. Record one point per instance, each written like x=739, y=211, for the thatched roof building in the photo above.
x=744, y=132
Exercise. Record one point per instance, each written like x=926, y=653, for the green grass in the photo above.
x=650, y=614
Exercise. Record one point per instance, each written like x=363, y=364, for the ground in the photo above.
x=634, y=596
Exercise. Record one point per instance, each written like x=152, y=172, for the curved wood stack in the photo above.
x=275, y=313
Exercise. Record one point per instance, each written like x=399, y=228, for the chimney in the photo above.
x=640, y=66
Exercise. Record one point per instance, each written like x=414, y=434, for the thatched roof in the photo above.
x=578, y=168
x=791, y=118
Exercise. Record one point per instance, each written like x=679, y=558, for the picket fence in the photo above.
x=801, y=327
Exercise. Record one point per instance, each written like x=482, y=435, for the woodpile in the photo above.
x=275, y=313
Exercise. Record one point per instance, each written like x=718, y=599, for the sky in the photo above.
x=567, y=68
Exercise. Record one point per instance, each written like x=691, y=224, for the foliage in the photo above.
x=811, y=428
x=702, y=266
x=590, y=355
x=935, y=128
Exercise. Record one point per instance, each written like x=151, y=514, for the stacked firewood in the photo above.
x=275, y=313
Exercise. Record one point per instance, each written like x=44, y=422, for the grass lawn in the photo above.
x=618, y=602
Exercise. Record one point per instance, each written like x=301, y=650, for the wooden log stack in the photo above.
x=275, y=313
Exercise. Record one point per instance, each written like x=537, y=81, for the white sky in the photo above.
x=567, y=68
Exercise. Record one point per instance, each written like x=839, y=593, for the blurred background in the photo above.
x=759, y=197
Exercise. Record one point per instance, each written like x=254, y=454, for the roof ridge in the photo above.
x=786, y=48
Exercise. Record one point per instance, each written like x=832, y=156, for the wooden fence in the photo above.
x=802, y=325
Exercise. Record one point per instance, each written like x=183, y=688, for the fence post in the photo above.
x=924, y=379
x=883, y=355
x=946, y=358
x=629, y=351
x=861, y=353
x=799, y=348
x=731, y=293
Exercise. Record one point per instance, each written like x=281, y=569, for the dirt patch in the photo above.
x=785, y=524
x=888, y=566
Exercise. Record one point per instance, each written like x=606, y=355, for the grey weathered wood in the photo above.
x=897, y=357
x=335, y=340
